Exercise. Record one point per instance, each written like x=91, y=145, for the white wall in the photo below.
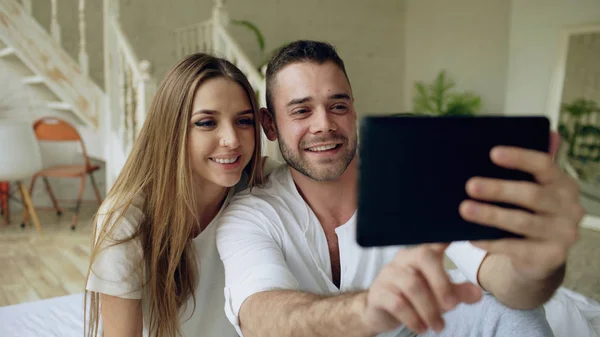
x=582, y=71
x=535, y=27
x=468, y=38
x=368, y=34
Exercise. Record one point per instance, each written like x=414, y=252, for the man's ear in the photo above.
x=268, y=124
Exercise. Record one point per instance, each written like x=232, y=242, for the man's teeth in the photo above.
x=322, y=148
x=226, y=161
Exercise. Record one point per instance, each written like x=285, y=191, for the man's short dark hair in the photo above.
x=299, y=51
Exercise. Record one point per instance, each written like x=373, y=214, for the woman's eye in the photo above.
x=246, y=121
x=205, y=123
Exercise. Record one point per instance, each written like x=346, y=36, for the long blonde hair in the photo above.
x=159, y=169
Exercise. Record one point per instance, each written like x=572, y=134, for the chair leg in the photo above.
x=7, y=209
x=78, y=205
x=28, y=205
x=4, y=191
x=25, y=212
x=52, y=197
x=98, y=198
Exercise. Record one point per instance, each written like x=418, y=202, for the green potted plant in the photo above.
x=577, y=109
x=260, y=40
x=440, y=98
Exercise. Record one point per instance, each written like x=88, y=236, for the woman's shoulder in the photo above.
x=124, y=212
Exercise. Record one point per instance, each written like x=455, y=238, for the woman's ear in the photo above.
x=268, y=123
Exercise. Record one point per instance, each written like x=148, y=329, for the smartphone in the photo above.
x=413, y=172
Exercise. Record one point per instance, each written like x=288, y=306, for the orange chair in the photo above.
x=55, y=129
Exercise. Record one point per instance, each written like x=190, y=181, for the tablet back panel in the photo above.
x=413, y=172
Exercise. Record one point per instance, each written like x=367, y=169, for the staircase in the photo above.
x=37, y=55
x=107, y=121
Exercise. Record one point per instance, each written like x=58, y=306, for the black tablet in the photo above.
x=413, y=172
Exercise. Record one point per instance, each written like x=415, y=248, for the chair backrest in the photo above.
x=54, y=129
x=20, y=156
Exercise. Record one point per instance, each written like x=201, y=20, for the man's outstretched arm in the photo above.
x=263, y=297
x=293, y=313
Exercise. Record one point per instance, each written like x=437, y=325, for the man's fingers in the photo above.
x=522, y=193
x=556, y=229
x=512, y=220
x=468, y=292
x=401, y=309
x=539, y=164
x=416, y=289
x=432, y=269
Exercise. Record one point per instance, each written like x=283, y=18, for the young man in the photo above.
x=293, y=267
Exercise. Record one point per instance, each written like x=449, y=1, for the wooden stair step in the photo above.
x=33, y=80
x=7, y=51
x=59, y=106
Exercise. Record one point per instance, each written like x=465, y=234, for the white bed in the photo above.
x=59, y=316
x=570, y=315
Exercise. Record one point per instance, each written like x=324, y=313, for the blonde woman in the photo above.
x=155, y=270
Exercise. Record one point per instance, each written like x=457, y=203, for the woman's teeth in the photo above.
x=226, y=161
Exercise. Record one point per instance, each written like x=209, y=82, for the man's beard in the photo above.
x=334, y=167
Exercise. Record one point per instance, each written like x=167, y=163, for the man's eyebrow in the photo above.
x=340, y=96
x=299, y=100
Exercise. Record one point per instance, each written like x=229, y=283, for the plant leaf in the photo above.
x=259, y=36
x=440, y=87
x=421, y=101
x=580, y=107
x=564, y=131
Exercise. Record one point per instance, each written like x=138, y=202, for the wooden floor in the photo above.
x=34, y=266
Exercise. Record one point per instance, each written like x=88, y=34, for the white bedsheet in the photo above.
x=54, y=317
x=570, y=314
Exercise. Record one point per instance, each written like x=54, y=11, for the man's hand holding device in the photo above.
x=429, y=181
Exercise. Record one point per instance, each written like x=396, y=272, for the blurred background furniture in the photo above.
x=52, y=129
x=21, y=159
x=4, y=209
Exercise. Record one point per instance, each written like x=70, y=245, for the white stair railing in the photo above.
x=56, y=32
x=83, y=56
x=129, y=89
x=27, y=5
x=193, y=38
x=54, y=26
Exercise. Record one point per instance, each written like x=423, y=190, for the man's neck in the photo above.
x=334, y=202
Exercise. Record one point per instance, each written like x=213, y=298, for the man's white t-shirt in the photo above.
x=269, y=238
x=116, y=273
